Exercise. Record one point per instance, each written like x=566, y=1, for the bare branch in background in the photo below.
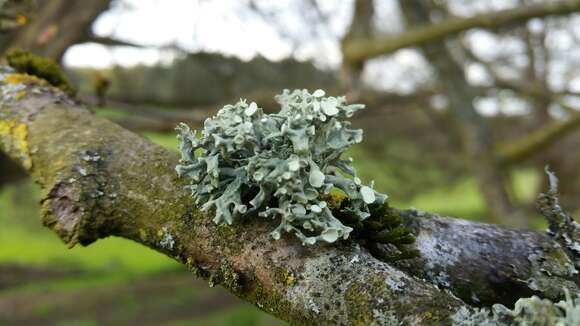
x=533, y=143
x=363, y=49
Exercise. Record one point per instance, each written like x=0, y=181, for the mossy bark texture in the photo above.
x=101, y=180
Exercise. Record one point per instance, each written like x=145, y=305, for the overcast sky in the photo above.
x=224, y=26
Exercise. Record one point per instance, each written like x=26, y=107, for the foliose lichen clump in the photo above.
x=280, y=165
x=536, y=311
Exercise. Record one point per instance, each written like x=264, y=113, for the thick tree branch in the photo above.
x=101, y=180
x=364, y=49
x=485, y=264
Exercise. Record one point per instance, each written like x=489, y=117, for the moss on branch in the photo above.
x=41, y=67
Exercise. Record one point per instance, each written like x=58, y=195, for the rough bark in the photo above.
x=101, y=180
x=485, y=264
x=364, y=49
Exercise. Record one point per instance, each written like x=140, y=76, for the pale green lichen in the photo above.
x=536, y=311
x=279, y=165
x=167, y=241
x=532, y=311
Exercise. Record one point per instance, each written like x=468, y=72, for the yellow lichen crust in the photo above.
x=15, y=79
x=14, y=140
x=20, y=95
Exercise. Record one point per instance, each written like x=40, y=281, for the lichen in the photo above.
x=477, y=317
x=167, y=241
x=279, y=165
x=536, y=311
x=527, y=312
x=562, y=226
x=15, y=137
x=19, y=78
x=44, y=68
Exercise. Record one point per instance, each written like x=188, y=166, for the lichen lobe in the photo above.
x=279, y=166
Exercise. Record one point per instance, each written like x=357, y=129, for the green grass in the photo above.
x=114, y=254
x=237, y=316
x=110, y=113
x=168, y=140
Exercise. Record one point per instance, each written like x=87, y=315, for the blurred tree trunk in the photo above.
x=541, y=97
x=56, y=26
x=361, y=27
x=476, y=135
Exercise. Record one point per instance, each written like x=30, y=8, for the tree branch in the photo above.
x=110, y=41
x=361, y=27
x=364, y=49
x=531, y=144
x=101, y=180
x=535, y=142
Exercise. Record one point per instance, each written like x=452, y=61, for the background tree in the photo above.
x=443, y=51
x=54, y=26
